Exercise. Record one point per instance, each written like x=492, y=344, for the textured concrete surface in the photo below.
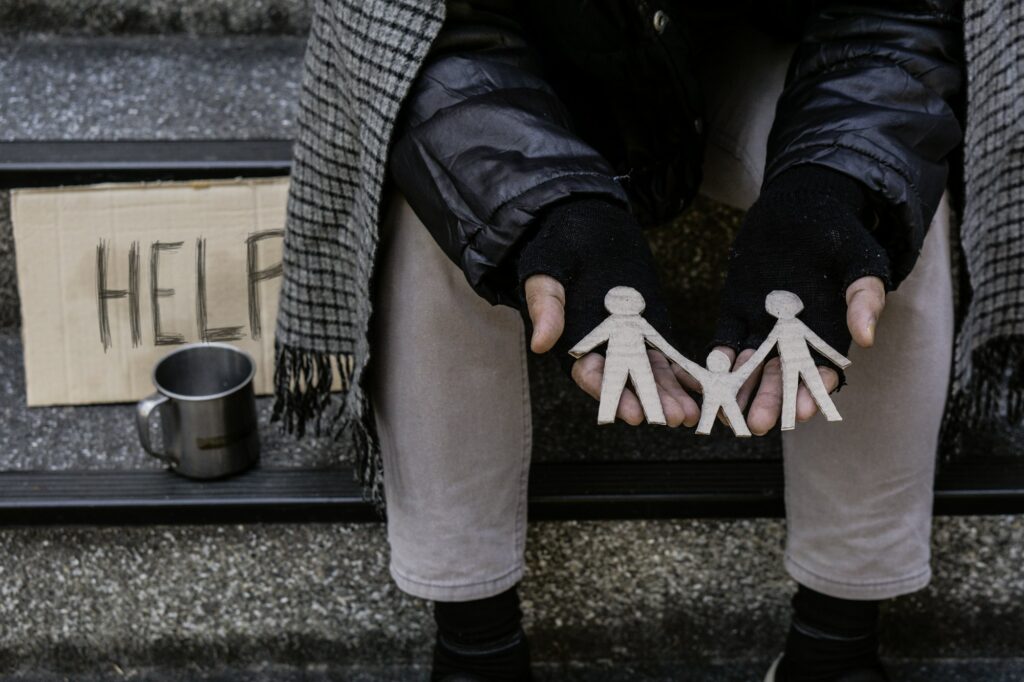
x=640, y=594
x=148, y=87
x=203, y=17
x=9, y=307
x=1010, y=670
x=103, y=436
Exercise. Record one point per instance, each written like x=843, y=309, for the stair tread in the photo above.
x=941, y=670
x=102, y=437
x=89, y=437
x=149, y=87
x=106, y=17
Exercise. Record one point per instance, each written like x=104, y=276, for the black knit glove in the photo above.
x=807, y=233
x=590, y=245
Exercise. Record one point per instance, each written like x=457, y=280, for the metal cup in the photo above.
x=207, y=411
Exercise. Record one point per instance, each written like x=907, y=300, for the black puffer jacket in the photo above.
x=523, y=103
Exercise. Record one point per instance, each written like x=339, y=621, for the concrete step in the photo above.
x=149, y=87
x=91, y=437
x=10, y=310
x=969, y=670
x=200, y=17
x=671, y=593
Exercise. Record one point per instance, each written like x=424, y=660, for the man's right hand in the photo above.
x=545, y=301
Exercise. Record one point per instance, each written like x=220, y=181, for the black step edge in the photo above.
x=71, y=162
x=558, y=491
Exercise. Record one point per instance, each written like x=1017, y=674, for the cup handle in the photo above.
x=143, y=410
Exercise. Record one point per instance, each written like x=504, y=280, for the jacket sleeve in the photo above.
x=483, y=145
x=872, y=92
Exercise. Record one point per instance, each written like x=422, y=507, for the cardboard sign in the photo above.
x=113, y=277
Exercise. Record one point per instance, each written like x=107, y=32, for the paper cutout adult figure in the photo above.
x=628, y=334
x=793, y=337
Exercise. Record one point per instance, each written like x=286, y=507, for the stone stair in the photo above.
x=677, y=599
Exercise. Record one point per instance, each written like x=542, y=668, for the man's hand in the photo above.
x=865, y=300
x=583, y=247
x=810, y=232
x=545, y=300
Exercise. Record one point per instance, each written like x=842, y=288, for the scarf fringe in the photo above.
x=303, y=381
x=985, y=413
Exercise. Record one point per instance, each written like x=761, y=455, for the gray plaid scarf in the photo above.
x=361, y=59
x=986, y=406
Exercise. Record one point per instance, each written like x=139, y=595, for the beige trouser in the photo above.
x=451, y=396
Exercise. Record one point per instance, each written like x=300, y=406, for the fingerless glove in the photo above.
x=807, y=233
x=591, y=245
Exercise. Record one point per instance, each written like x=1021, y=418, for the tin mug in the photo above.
x=207, y=411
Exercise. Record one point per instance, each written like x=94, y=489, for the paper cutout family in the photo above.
x=628, y=334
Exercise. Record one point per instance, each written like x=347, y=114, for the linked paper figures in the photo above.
x=628, y=334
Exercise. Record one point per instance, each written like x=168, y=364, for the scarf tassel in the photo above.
x=303, y=384
x=985, y=415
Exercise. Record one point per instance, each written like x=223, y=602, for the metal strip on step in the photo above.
x=62, y=162
x=558, y=491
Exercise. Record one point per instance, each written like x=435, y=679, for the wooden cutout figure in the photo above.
x=627, y=334
x=793, y=337
x=719, y=387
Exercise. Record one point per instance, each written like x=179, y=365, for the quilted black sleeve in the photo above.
x=484, y=145
x=872, y=92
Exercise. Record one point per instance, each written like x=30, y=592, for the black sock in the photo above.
x=483, y=638
x=828, y=637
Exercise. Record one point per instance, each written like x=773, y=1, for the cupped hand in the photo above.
x=545, y=301
x=865, y=301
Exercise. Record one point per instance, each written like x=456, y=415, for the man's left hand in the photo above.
x=810, y=232
x=865, y=300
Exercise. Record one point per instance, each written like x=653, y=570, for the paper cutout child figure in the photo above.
x=719, y=387
x=627, y=334
x=793, y=337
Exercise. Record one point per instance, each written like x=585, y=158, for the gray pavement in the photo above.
x=103, y=436
x=986, y=670
x=668, y=593
x=200, y=17
x=9, y=306
x=148, y=87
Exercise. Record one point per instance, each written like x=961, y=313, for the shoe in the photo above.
x=504, y=659
x=869, y=675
